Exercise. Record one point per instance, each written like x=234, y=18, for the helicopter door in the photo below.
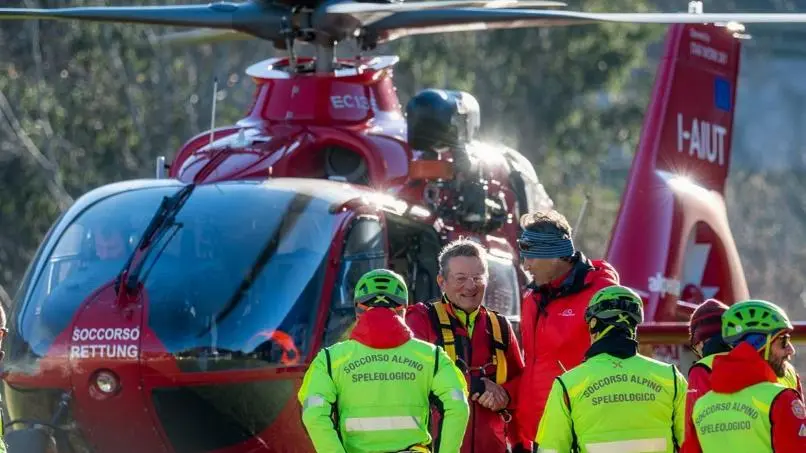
x=364, y=250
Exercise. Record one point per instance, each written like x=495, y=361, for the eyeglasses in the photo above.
x=477, y=279
x=786, y=340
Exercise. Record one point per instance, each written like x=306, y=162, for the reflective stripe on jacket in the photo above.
x=380, y=397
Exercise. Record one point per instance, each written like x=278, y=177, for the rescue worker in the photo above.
x=554, y=333
x=371, y=392
x=480, y=340
x=705, y=337
x=747, y=409
x=617, y=400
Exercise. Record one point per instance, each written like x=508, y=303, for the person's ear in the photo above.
x=441, y=282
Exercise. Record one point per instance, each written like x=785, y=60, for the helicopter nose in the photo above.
x=131, y=395
x=219, y=412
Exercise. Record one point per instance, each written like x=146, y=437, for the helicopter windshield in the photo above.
x=239, y=277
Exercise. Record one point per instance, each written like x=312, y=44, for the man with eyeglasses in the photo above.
x=479, y=340
x=747, y=408
x=553, y=329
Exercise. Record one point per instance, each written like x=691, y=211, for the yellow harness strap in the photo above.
x=447, y=332
x=499, y=358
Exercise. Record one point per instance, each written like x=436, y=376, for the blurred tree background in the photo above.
x=86, y=104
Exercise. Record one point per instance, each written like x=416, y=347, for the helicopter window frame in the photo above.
x=356, y=260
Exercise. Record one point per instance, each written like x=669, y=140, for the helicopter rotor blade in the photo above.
x=351, y=8
x=259, y=19
x=367, y=13
x=202, y=36
x=431, y=21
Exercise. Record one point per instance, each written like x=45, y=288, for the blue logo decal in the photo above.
x=722, y=99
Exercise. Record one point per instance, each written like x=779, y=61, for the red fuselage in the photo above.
x=203, y=358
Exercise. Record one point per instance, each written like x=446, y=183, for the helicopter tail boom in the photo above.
x=671, y=240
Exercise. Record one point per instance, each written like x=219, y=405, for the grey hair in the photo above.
x=461, y=247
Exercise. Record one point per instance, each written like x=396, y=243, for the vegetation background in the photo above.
x=85, y=104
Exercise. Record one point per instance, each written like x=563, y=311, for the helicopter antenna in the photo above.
x=288, y=33
x=212, y=119
x=582, y=211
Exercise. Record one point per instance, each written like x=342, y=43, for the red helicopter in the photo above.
x=177, y=314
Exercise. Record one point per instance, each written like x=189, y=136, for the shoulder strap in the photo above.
x=442, y=325
x=574, y=443
x=674, y=398
x=499, y=345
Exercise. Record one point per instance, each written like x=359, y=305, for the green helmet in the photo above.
x=753, y=316
x=616, y=305
x=381, y=288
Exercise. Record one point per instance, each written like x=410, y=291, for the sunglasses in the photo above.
x=785, y=340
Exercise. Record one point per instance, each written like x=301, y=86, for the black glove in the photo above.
x=519, y=448
x=477, y=386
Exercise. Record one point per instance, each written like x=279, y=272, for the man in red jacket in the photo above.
x=747, y=409
x=553, y=329
x=481, y=342
x=705, y=337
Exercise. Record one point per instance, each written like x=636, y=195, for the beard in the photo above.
x=778, y=366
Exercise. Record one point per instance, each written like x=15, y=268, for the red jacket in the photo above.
x=555, y=337
x=743, y=367
x=699, y=383
x=486, y=430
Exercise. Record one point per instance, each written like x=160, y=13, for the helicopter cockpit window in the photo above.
x=239, y=279
x=364, y=250
x=90, y=253
x=240, y=284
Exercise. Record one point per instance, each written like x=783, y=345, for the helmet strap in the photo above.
x=767, y=348
x=598, y=336
x=599, y=328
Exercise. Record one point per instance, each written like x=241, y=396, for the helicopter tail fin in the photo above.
x=671, y=241
x=689, y=124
